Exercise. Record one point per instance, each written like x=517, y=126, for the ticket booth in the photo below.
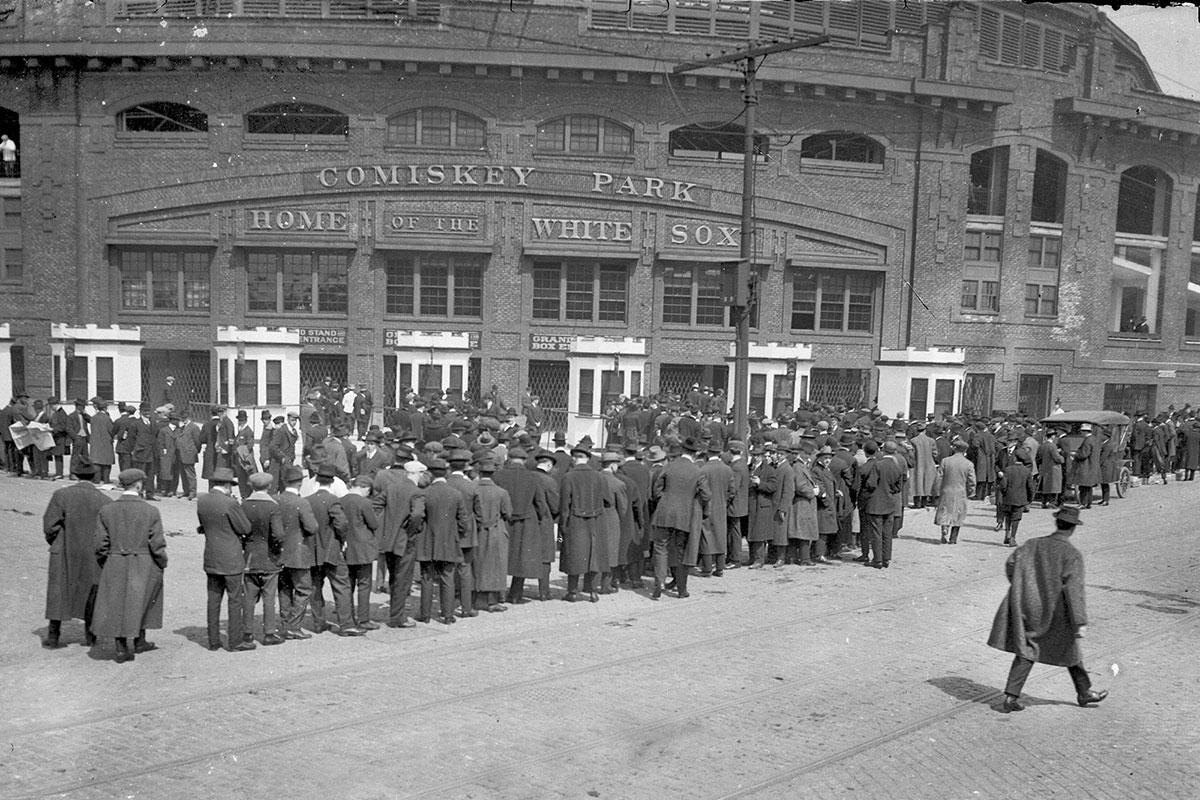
x=779, y=375
x=93, y=361
x=258, y=368
x=603, y=369
x=915, y=382
x=428, y=362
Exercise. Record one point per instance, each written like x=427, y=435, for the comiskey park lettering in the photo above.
x=426, y=175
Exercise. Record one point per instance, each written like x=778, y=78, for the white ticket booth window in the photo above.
x=428, y=363
x=7, y=382
x=779, y=376
x=603, y=369
x=916, y=383
x=258, y=368
x=93, y=361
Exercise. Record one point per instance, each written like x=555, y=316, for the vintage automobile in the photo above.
x=1117, y=427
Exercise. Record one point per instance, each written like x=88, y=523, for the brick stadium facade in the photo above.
x=967, y=206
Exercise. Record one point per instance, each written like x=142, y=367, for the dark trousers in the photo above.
x=735, y=530
x=339, y=581
x=89, y=610
x=400, y=580
x=266, y=586
x=845, y=533
x=464, y=579
x=39, y=462
x=148, y=484
x=218, y=586
x=124, y=461
x=877, y=538
x=1085, y=496
x=295, y=589
x=360, y=591
x=443, y=573
x=1020, y=671
x=667, y=554
x=13, y=458
x=187, y=474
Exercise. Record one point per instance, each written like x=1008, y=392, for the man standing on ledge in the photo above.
x=1043, y=617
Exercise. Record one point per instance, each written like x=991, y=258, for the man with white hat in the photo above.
x=1087, y=464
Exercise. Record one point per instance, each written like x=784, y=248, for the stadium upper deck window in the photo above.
x=715, y=141
x=297, y=119
x=846, y=147
x=584, y=134
x=437, y=127
x=163, y=118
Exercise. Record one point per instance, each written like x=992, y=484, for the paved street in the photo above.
x=814, y=682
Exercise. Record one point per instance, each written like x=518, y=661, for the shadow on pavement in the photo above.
x=1166, y=598
x=194, y=633
x=969, y=691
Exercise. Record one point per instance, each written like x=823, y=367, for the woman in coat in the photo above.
x=958, y=483
x=132, y=554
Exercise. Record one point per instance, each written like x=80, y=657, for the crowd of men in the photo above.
x=470, y=501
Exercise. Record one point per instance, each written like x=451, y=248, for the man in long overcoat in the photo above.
x=528, y=498
x=763, y=482
x=618, y=522
x=882, y=484
x=982, y=452
x=362, y=549
x=924, y=473
x=1043, y=616
x=298, y=555
x=544, y=464
x=143, y=430
x=282, y=447
x=958, y=483
x=714, y=531
x=225, y=528
x=1087, y=465
x=583, y=495
x=491, y=537
x=738, y=510
x=446, y=523
x=1050, y=469
x=100, y=444
x=681, y=499
x=132, y=553
x=69, y=525
x=400, y=506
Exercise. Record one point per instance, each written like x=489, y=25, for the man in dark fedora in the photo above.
x=225, y=528
x=680, y=496
x=69, y=525
x=583, y=495
x=1043, y=617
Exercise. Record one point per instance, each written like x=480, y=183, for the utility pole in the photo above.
x=751, y=58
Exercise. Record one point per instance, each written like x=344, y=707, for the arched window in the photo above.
x=297, y=119
x=1143, y=201
x=723, y=142
x=437, y=127
x=584, y=134
x=162, y=117
x=847, y=147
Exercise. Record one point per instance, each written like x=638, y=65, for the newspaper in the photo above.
x=31, y=433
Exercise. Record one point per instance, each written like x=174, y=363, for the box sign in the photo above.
x=392, y=335
x=335, y=336
x=544, y=342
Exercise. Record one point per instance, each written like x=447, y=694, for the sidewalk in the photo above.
x=838, y=681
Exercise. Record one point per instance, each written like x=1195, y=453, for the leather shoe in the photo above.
x=657, y=593
x=684, y=594
x=495, y=608
x=144, y=647
x=272, y=639
x=543, y=597
x=571, y=597
x=875, y=564
x=886, y=564
x=369, y=625
x=670, y=586
x=351, y=630
x=465, y=614
x=52, y=643
x=593, y=597
x=422, y=619
x=732, y=565
x=123, y=654
x=89, y=639
x=1011, y=704
x=244, y=647
x=1091, y=697
x=408, y=623
x=212, y=648
x=297, y=635
x=519, y=601
x=756, y=565
x=450, y=620
x=861, y=559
